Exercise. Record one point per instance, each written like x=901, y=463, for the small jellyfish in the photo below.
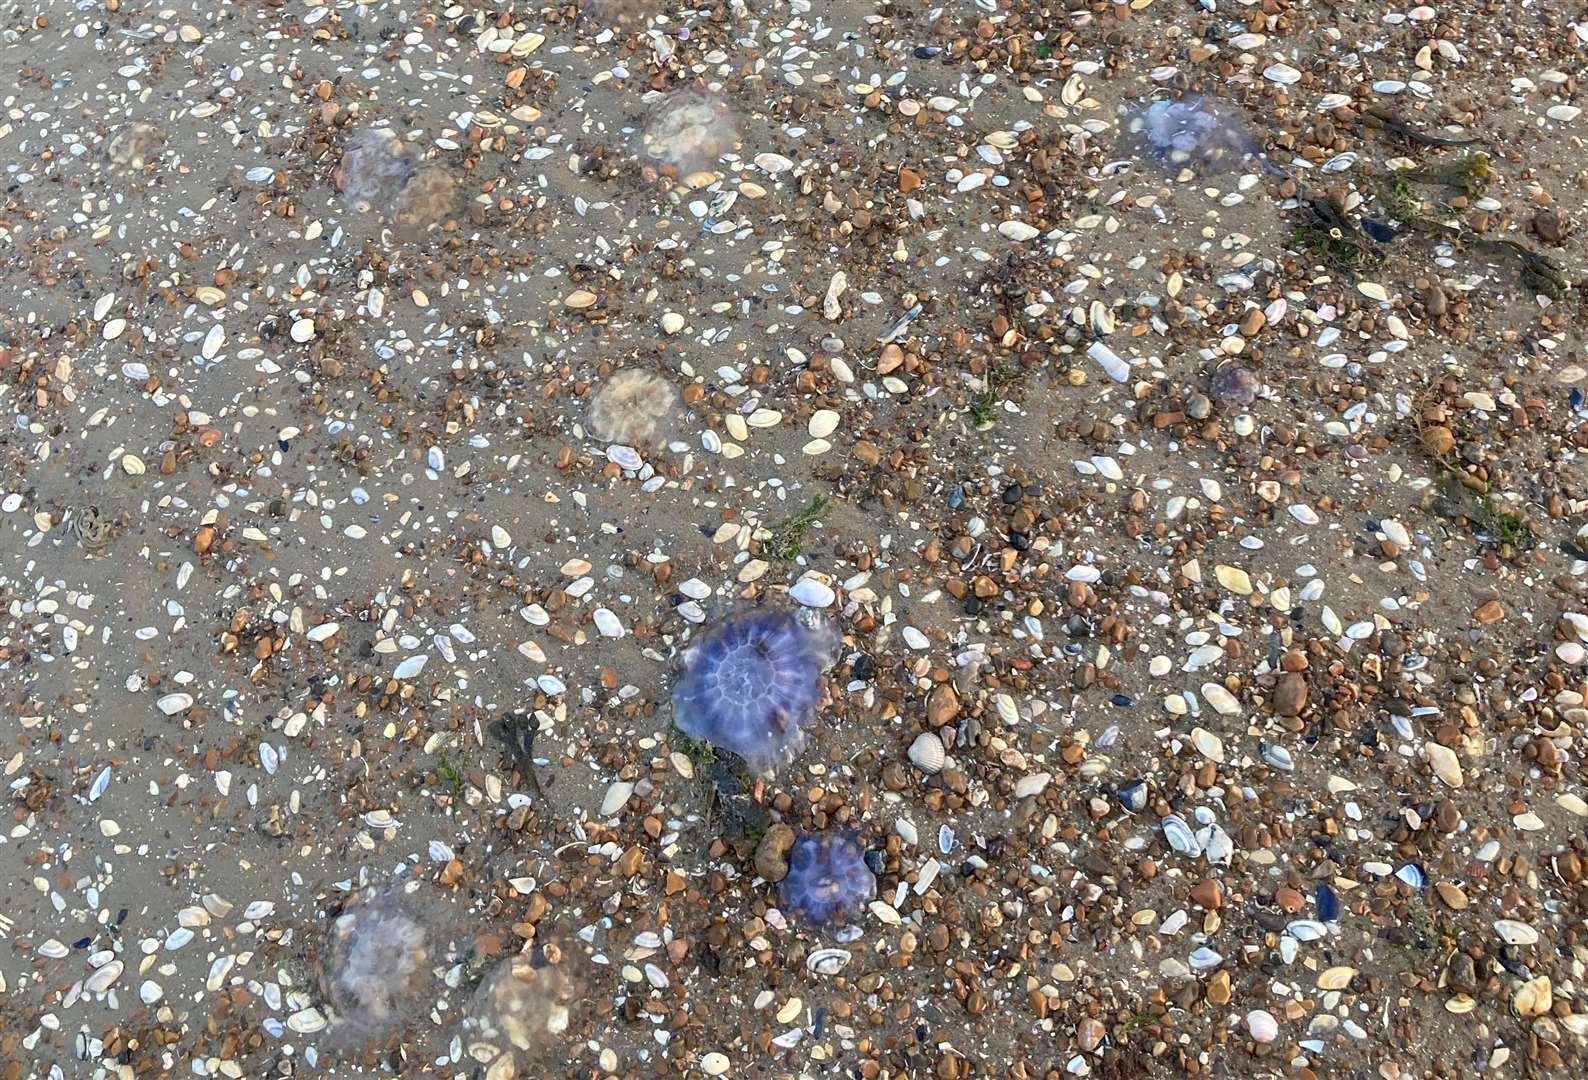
x=1191, y=132
x=375, y=168
x=688, y=132
x=428, y=198
x=752, y=685
x=632, y=407
x=520, y=1010
x=828, y=879
x=130, y=149
x=376, y=964
x=1234, y=384
x=622, y=14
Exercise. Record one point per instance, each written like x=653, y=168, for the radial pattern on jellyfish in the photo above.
x=1192, y=132
x=632, y=406
x=828, y=879
x=752, y=685
x=376, y=963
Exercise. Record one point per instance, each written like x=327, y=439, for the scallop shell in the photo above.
x=828, y=961
x=927, y=752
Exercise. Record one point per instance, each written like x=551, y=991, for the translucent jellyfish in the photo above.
x=752, y=685
x=375, y=168
x=1191, y=132
x=828, y=879
x=520, y=1010
x=130, y=149
x=1234, y=384
x=632, y=407
x=376, y=965
x=689, y=131
x=623, y=14
x=430, y=197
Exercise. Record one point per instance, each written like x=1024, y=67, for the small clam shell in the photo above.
x=1180, y=836
x=1306, y=930
x=828, y=961
x=1513, y=932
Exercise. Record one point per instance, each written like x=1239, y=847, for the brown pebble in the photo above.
x=771, y=855
x=1290, y=694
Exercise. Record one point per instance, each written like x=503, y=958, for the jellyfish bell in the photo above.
x=752, y=685
x=687, y=132
x=1191, y=132
x=376, y=962
x=828, y=879
x=375, y=168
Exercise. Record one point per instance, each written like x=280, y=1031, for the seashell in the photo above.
x=103, y=978
x=1234, y=579
x=306, y=1021
x=1262, y=1025
x=1208, y=744
x=1133, y=796
x=1109, y=361
x=1205, y=959
x=812, y=592
x=828, y=961
x=1217, y=844
x=1278, y=757
x=1413, y=875
x=1222, y=700
x=1336, y=978
x=1179, y=835
x=1444, y=762
x=1534, y=997
x=1513, y=932
x=1307, y=930
x=927, y=753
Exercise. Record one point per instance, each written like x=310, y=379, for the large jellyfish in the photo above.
x=752, y=685
x=377, y=963
x=375, y=168
x=828, y=879
x=689, y=131
x=1192, y=132
x=519, y=1014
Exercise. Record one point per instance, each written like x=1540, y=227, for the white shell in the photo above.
x=828, y=961
x=927, y=752
x=1515, y=933
x=1180, y=836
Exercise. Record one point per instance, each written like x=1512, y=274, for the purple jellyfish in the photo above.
x=751, y=686
x=828, y=879
x=1192, y=132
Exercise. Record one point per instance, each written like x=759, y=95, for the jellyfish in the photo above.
x=522, y=1007
x=752, y=685
x=428, y=198
x=632, y=407
x=133, y=147
x=828, y=879
x=375, y=168
x=376, y=964
x=1192, y=132
x=689, y=131
x=1234, y=384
